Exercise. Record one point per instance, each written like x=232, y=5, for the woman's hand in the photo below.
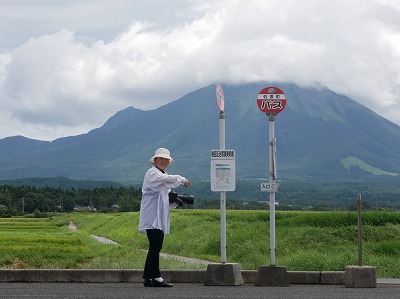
x=186, y=183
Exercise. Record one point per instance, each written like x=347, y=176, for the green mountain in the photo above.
x=321, y=137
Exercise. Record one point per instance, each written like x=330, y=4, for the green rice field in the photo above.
x=305, y=241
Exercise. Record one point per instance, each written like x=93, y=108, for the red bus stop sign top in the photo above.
x=271, y=100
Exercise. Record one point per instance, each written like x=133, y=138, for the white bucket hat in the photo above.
x=163, y=153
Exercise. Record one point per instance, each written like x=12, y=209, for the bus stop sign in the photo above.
x=271, y=100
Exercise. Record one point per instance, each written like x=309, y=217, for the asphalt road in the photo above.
x=187, y=291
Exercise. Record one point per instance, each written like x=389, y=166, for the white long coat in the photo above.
x=155, y=205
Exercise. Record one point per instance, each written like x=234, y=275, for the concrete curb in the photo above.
x=173, y=276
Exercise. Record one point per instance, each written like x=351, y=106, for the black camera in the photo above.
x=180, y=199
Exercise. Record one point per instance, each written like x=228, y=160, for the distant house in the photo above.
x=3, y=207
x=84, y=209
x=115, y=208
x=77, y=208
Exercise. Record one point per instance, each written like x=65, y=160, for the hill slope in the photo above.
x=321, y=136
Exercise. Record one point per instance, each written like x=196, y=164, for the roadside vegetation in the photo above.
x=305, y=240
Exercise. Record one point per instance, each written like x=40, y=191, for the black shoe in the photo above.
x=162, y=284
x=147, y=282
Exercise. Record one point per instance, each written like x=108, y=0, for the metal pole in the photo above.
x=271, y=126
x=223, y=226
x=222, y=193
x=359, y=225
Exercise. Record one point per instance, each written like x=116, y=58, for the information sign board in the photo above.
x=223, y=176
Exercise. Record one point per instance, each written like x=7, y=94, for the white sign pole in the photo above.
x=271, y=100
x=272, y=180
x=223, y=193
x=221, y=104
x=222, y=179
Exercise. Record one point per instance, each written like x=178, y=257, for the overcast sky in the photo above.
x=66, y=66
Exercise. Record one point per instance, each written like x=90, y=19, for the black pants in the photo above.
x=152, y=265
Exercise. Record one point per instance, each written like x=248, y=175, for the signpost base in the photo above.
x=272, y=276
x=223, y=275
x=360, y=277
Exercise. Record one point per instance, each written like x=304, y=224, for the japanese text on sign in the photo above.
x=269, y=187
x=223, y=153
x=271, y=105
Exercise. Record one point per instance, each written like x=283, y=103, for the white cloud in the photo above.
x=71, y=79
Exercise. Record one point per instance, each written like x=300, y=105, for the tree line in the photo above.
x=20, y=200
x=26, y=199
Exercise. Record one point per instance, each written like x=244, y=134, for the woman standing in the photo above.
x=154, y=212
